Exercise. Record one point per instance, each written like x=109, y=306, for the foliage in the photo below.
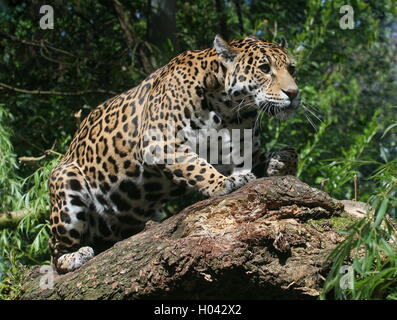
x=26, y=243
x=346, y=127
x=370, y=247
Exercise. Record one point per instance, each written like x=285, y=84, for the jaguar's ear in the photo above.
x=225, y=52
x=283, y=43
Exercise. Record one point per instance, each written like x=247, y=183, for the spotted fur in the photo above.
x=104, y=190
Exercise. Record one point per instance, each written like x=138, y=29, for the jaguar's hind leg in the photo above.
x=70, y=202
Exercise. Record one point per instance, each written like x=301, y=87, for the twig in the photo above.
x=36, y=159
x=51, y=59
x=322, y=183
x=40, y=44
x=53, y=152
x=57, y=93
x=31, y=159
x=355, y=188
x=10, y=218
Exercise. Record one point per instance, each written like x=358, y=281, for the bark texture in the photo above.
x=251, y=244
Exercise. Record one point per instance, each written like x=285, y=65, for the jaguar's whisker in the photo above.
x=312, y=112
x=310, y=121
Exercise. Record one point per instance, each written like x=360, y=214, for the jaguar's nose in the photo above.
x=291, y=93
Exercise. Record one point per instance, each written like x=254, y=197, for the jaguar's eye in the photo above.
x=264, y=68
x=292, y=70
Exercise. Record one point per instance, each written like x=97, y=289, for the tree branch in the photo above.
x=131, y=39
x=57, y=93
x=41, y=44
x=10, y=218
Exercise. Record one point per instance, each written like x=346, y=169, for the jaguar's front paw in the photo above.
x=237, y=180
x=282, y=162
x=72, y=261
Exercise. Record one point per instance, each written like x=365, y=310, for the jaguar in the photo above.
x=111, y=180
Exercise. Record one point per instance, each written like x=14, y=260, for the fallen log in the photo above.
x=254, y=243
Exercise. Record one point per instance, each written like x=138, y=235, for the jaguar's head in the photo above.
x=259, y=74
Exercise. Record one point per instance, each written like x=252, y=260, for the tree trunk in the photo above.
x=134, y=44
x=222, y=17
x=162, y=22
x=239, y=14
x=251, y=244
